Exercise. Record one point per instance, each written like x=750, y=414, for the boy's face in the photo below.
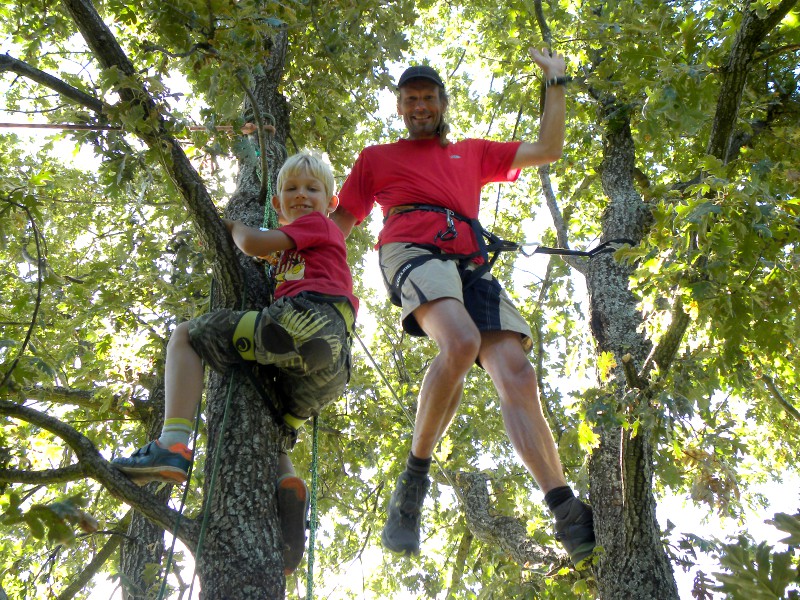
x=300, y=195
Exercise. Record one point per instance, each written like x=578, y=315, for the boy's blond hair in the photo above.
x=311, y=164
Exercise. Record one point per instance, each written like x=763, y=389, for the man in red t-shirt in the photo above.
x=429, y=191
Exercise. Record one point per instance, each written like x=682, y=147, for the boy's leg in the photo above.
x=292, y=512
x=208, y=338
x=168, y=458
x=314, y=372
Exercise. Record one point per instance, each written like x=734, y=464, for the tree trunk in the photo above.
x=621, y=468
x=240, y=556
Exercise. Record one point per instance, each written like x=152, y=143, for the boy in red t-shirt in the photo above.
x=305, y=333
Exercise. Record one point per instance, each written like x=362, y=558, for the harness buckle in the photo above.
x=450, y=233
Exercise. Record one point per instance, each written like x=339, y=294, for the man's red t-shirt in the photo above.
x=319, y=261
x=424, y=172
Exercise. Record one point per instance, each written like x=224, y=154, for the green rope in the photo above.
x=313, y=525
x=270, y=216
x=179, y=516
x=212, y=482
x=214, y=471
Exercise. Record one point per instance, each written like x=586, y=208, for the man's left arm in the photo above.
x=549, y=146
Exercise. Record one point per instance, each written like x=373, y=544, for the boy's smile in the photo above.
x=300, y=195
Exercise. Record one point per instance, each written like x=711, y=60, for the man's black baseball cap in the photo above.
x=419, y=72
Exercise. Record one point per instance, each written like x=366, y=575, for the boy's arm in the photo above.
x=255, y=242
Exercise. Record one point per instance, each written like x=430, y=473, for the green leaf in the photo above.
x=790, y=524
x=698, y=214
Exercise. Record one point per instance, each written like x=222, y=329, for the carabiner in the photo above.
x=450, y=233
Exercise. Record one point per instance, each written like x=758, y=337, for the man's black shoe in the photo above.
x=401, y=532
x=576, y=531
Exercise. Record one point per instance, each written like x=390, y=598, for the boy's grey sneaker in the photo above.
x=401, y=532
x=576, y=531
x=156, y=463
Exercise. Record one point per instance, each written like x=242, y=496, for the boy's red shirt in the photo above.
x=318, y=263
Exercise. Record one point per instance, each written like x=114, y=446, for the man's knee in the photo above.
x=447, y=323
x=510, y=368
x=460, y=347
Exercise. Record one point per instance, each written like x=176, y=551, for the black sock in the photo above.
x=418, y=467
x=557, y=497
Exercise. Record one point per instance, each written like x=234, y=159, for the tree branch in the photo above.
x=776, y=393
x=459, y=562
x=95, y=466
x=152, y=130
x=777, y=108
x=70, y=473
x=64, y=395
x=777, y=51
x=8, y=63
x=735, y=71
x=541, y=21
x=508, y=533
x=97, y=561
x=633, y=378
x=664, y=353
x=558, y=219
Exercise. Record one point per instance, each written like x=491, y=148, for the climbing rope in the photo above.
x=313, y=524
x=407, y=414
x=211, y=484
x=179, y=516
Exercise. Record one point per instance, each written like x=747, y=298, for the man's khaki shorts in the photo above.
x=485, y=300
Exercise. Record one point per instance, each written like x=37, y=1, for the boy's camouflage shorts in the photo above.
x=307, y=339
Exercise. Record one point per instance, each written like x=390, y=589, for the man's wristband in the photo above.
x=563, y=80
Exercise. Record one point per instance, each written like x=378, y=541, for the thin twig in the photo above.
x=39, y=281
x=262, y=139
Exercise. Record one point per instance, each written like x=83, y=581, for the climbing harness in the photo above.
x=488, y=244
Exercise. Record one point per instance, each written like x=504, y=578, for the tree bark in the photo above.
x=241, y=554
x=620, y=470
x=238, y=547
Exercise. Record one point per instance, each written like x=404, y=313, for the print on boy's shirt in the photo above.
x=292, y=268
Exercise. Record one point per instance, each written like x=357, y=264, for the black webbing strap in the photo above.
x=487, y=243
x=605, y=247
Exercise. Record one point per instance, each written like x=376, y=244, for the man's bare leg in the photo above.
x=504, y=359
x=515, y=379
x=448, y=324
